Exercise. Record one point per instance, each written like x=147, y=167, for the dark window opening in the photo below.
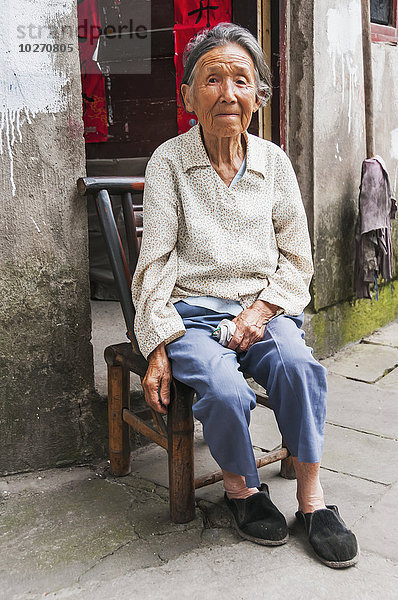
x=384, y=17
x=381, y=11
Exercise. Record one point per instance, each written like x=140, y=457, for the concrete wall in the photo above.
x=339, y=146
x=46, y=372
x=385, y=76
x=327, y=146
x=300, y=103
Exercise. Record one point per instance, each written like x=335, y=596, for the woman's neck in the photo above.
x=225, y=152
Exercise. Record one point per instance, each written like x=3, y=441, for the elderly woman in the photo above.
x=225, y=237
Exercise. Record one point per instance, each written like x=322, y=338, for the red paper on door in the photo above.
x=191, y=16
x=93, y=84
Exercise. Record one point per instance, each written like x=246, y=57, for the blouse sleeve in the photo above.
x=156, y=319
x=288, y=286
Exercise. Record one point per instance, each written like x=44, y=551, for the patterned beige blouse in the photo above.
x=202, y=238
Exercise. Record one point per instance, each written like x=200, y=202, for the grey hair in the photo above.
x=221, y=35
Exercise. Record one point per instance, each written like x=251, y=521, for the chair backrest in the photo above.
x=122, y=267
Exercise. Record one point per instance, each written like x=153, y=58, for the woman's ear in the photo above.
x=186, y=94
x=257, y=104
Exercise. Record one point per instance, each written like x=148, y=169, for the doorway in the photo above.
x=142, y=107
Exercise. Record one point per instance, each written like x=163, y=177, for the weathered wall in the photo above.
x=300, y=105
x=46, y=371
x=326, y=118
x=339, y=147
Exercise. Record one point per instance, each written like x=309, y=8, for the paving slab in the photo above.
x=54, y=531
x=363, y=362
x=387, y=336
x=389, y=383
x=353, y=496
x=264, y=430
x=360, y=454
x=363, y=406
x=150, y=544
x=143, y=554
x=378, y=528
x=245, y=571
x=186, y=558
x=48, y=537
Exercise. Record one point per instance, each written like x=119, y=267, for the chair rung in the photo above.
x=159, y=422
x=138, y=425
x=267, y=459
x=273, y=456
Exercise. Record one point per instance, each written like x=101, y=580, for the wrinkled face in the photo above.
x=223, y=93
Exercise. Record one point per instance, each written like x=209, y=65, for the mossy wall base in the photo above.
x=335, y=326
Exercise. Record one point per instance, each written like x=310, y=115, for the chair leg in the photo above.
x=119, y=435
x=180, y=450
x=287, y=468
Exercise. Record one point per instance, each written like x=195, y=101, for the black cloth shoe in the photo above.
x=257, y=519
x=332, y=541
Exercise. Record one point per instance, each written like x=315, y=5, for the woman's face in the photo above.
x=223, y=93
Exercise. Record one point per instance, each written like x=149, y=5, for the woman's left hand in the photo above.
x=250, y=325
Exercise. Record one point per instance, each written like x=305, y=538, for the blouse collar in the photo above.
x=195, y=155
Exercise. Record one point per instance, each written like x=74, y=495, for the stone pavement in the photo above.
x=80, y=533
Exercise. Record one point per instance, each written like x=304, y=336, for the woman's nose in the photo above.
x=227, y=91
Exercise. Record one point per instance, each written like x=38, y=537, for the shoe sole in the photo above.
x=260, y=541
x=339, y=565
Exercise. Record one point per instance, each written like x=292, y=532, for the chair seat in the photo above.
x=124, y=355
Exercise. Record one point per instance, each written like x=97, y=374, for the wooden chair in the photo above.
x=176, y=433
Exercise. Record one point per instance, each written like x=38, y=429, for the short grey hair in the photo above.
x=221, y=35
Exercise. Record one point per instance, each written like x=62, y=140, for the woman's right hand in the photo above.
x=156, y=382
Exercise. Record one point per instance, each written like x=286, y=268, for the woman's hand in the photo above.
x=250, y=325
x=156, y=382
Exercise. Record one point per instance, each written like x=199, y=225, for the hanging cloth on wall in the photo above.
x=93, y=84
x=191, y=16
x=373, y=248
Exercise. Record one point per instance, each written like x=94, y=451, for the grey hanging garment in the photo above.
x=377, y=206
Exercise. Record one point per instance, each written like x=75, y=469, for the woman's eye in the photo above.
x=241, y=82
x=212, y=80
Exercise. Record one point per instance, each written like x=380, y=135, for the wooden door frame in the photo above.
x=283, y=83
x=275, y=49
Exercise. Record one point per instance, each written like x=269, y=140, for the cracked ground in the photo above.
x=80, y=533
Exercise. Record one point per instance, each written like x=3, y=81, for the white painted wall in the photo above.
x=30, y=82
x=343, y=28
x=385, y=75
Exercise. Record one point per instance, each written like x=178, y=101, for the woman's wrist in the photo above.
x=159, y=351
x=266, y=309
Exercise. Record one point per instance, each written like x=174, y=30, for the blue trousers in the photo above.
x=281, y=362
